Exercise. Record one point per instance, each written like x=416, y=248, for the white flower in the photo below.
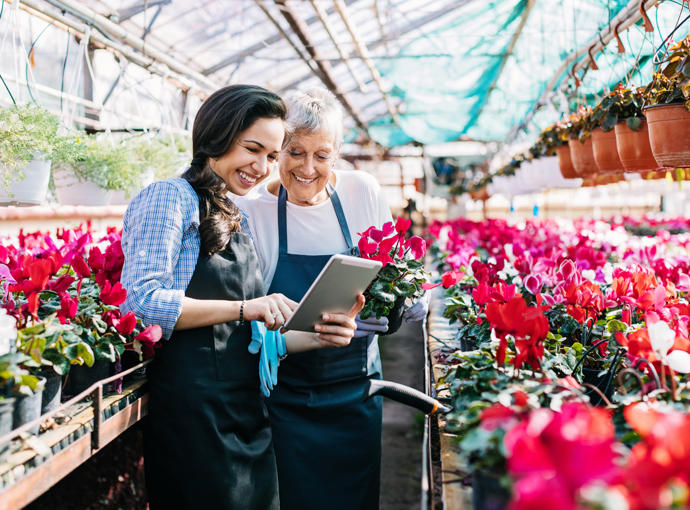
x=589, y=274
x=661, y=336
x=8, y=332
x=679, y=361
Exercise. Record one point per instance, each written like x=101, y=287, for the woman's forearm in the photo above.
x=197, y=313
x=298, y=341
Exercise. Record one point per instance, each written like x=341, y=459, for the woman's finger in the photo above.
x=340, y=320
x=334, y=340
x=289, y=302
x=285, y=311
x=357, y=306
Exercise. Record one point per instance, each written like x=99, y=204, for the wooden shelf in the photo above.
x=44, y=460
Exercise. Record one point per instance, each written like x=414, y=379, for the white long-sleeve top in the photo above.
x=314, y=230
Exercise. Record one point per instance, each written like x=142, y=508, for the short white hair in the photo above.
x=315, y=111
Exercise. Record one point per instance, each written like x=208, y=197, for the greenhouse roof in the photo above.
x=427, y=71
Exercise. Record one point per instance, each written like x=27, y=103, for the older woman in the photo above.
x=327, y=441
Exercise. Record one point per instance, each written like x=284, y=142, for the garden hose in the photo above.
x=404, y=395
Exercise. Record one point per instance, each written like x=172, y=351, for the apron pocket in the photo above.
x=233, y=361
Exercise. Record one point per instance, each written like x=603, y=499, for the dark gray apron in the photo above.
x=208, y=439
x=327, y=441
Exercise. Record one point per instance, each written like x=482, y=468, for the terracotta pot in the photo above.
x=565, y=163
x=669, y=134
x=606, y=152
x=482, y=194
x=583, y=157
x=634, y=148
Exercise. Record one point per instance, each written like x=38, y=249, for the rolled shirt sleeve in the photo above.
x=160, y=241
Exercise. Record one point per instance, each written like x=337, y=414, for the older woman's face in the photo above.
x=306, y=165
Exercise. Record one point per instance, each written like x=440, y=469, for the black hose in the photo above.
x=404, y=395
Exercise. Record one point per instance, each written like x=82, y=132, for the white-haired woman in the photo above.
x=327, y=441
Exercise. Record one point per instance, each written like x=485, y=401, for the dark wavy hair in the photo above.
x=222, y=118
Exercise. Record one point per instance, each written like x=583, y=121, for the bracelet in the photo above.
x=242, y=312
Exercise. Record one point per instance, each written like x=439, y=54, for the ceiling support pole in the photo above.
x=300, y=28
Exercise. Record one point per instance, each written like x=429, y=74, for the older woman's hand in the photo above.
x=341, y=327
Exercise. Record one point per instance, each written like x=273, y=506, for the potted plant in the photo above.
x=24, y=388
x=580, y=142
x=29, y=139
x=620, y=104
x=401, y=276
x=668, y=109
x=104, y=166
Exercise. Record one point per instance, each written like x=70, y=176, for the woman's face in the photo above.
x=306, y=165
x=252, y=157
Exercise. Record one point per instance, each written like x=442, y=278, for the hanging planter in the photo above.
x=565, y=162
x=32, y=188
x=634, y=148
x=669, y=134
x=605, y=152
x=582, y=155
x=70, y=190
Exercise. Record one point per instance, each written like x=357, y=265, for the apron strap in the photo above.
x=282, y=221
x=282, y=218
x=340, y=214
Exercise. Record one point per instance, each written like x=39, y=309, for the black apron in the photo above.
x=207, y=442
x=327, y=441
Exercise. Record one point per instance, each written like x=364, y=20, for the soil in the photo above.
x=114, y=478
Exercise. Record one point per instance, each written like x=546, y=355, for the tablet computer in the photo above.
x=334, y=291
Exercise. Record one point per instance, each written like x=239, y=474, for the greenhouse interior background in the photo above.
x=540, y=149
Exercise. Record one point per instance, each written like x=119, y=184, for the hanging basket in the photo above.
x=669, y=134
x=565, y=162
x=583, y=157
x=71, y=191
x=31, y=190
x=634, y=148
x=605, y=152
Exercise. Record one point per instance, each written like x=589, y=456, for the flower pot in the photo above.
x=80, y=377
x=634, y=148
x=487, y=491
x=27, y=408
x=33, y=188
x=565, y=162
x=395, y=317
x=130, y=359
x=71, y=191
x=669, y=134
x=591, y=377
x=482, y=194
x=6, y=411
x=605, y=152
x=52, y=391
x=582, y=155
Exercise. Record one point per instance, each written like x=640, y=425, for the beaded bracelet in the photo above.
x=242, y=312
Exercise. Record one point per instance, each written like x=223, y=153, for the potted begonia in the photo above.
x=668, y=108
x=402, y=274
x=580, y=143
x=30, y=139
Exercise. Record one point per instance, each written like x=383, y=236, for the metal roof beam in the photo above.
x=237, y=57
x=504, y=60
x=300, y=28
x=138, y=7
x=363, y=52
x=405, y=30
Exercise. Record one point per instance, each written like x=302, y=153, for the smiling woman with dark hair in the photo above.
x=190, y=266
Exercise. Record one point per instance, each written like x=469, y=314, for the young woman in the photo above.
x=190, y=266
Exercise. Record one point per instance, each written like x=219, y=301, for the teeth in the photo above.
x=247, y=177
x=305, y=181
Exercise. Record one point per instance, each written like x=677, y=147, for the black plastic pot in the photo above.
x=603, y=383
x=27, y=409
x=6, y=408
x=80, y=377
x=52, y=391
x=130, y=359
x=487, y=492
x=395, y=317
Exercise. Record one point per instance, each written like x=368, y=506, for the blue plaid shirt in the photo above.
x=161, y=242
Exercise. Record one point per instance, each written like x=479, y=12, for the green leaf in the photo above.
x=60, y=362
x=634, y=123
x=609, y=122
x=414, y=264
x=615, y=326
x=105, y=352
x=389, y=273
x=100, y=325
x=382, y=290
x=404, y=289
x=79, y=353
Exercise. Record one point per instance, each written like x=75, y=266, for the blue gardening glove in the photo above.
x=272, y=346
x=369, y=326
x=419, y=310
